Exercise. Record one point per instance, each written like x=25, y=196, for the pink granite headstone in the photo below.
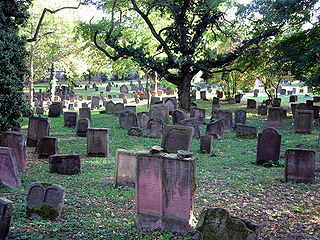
x=9, y=175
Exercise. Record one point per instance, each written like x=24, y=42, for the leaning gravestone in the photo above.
x=216, y=223
x=118, y=107
x=55, y=109
x=177, y=116
x=268, y=147
x=275, y=117
x=9, y=175
x=47, y=146
x=176, y=138
x=199, y=114
x=67, y=164
x=109, y=107
x=38, y=128
x=82, y=126
x=70, y=119
x=85, y=113
x=227, y=116
x=5, y=217
x=155, y=127
x=95, y=102
x=251, y=104
x=206, y=144
x=125, y=168
x=161, y=111
x=240, y=116
x=303, y=121
x=45, y=201
x=244, y=131
x=15, y=141
x=191, y=122
x=215, y=128
x=300, y=165
x=143, y=119
x=127, y=119
x=165, y=190
x=98, y=142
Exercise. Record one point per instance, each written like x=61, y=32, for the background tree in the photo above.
x=13, y=14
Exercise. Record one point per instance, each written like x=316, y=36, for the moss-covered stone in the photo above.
x=44, y=212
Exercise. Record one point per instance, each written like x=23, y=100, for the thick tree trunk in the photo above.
x=184, y=97
x=31, y=85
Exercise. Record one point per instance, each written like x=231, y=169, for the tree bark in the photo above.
x=31, y=85
x=184, y=97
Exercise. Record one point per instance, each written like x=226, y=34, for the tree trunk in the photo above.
x=184, y=97
x=31, y=85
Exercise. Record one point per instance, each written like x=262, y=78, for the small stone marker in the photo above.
x=70, y=119
x=124, y=89
x=109, y=107
x=118, y=107
x=127, y=119
x=45, y=201
x=135, y=131
x=5, y=217
x=275, y=117
x=240, y=116
x=95, y=102
x=215, y=128
x=125, y=168
x=303, y=121
x=161, y=111
x=55, y=109
x=155, y=127
x=199, y=114
x=177, y=116
x=216, y=223
x=262, y=110
x=37, y=129
x=244, y=131
x=15, y=141
x=47, y=146
x=251, y=104
x=176, y=138
x=82, y=126
x=206, y=144
x=9, y=175
x=67, y=164
x=293, y=98
x=143, y=119
x=191, y=122
x=98, y=142
x=85, y=113
x=165, y=190
x=237, y=98
x=300, y=165
x=268, y=147
x=227, y=116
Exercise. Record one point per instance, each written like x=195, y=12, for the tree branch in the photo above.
x=44, y=35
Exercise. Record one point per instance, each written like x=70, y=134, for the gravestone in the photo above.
x=251, y=104
x=155, y=127
x=70, y=119
x=316, y=112
x=82, y=126
x=55, y=109
x=15, y=141
x=171, y=102
x=142, y=119
x=237, y=98
x=39, y=110
x=215, y=104
x=84, y=105
x=5, y=217
x=38, y=128
x=176, y=138
x=118, y=107
x=268, y=147
x=191, y=122
x=203, y=95
x=124, y=89
x=300, y=165
x=303, y=121
x=316, y=99
x=240, y=116
x=302, y=106
x=85, y=113
x=294, y=90
x=206, y=144
x=215, y=128
x=227, y=119
x=9, y=175
x=47, y=146
x=245, y=131
x=127, y=119
x=219, y=94
x=165, y=190
x=275, y=117
x=284, y=113
x=135, y=131
x=132, y=108
x=216, y=223
x=262, y=110
x=276, y=102
x=125, y=168
x=109, y=107
x=255, y=93
x=67, y=164
x=161, y=111
x=45, y=201
x=301, y=90
x=289, y=92
x=177, y=116
x=293, y=108
x=199, y=114
x=293, y=98
x=98, y=142
x=95, y=102
x=309, y=104
x=283, y=92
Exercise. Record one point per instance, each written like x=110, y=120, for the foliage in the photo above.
x=13, y=14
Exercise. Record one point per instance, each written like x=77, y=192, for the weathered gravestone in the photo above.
x=226, y=115
x=95, y=102
x=5, y=217
x=109, y=107
x=199, y=114
x=45, y=201
x=118, y=107
x=206, y=144
x=135, y=131
x=131, y=108
x=124, y=89
x=161, y=111
x=215, y=128
x=85, y=113
x=303, y=121
x=171, y=102
x=268, y=147
x=300, y=165
x=125, y=168
x=15, y=141
x=70, y=119
x=155, y=127
x=251, y=104
x=293, y=98
x=191, y=122
x=237, y=98
x=203, y=95
x=55, y=109
x=275, y=117
x=9, y=175
x=143, y=119
x=82, y=126
x=177, y=116
x=216, y=223
x=240, y=116
x=67, y=164
x=38, y=128
x=283, y=92
x=245, y=131
x=127, y=119
x=176, y=138
x=165, y=190
x=47, y=146
x=98, y=142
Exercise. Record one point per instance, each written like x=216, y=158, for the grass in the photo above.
x=95, y=209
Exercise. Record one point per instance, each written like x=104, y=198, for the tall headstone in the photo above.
x=98, y=142
x=240, y=116
x=67, y=164
x=303, y=121
x=5, y=217
x=227, y=119
x=177, y=116
x=161, y=111
x=191, y=122
x=215, y=128
x=38, y=128
x=143, y=119
x=206, y=144
x=268, y=147
x=300, y=165
x=199, y=114
x=275, y=117
x=70, y=119
x=118, y=107
x=155, y=127
x=176, y=138
x=251, y=104
x=85, y=113
x=9, y=175
x=125, y=168
x=127, y=119
x=82, y=127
